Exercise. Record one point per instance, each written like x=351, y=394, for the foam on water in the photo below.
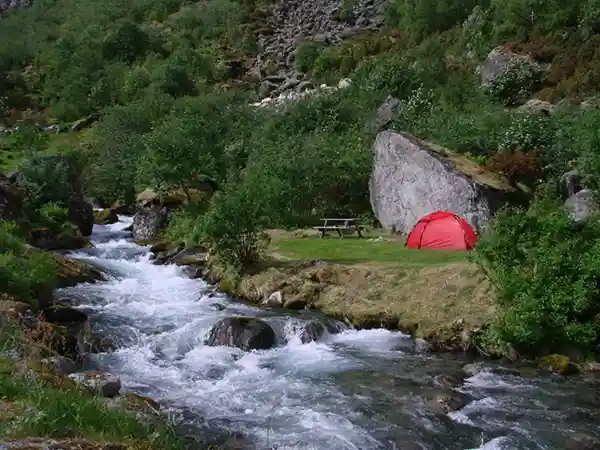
x=341, y=393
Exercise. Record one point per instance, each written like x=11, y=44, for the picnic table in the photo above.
x=339, y=225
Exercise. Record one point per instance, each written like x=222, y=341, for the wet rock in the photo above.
x=70, y=238
x=148, y=221
x=60, y=314
x=444, y=402
x=473, y=369
x=560, y=364
x=296, y=302
x=246, y=333
x=449, y=381
x=312, y=331
x=218, y=306
x=99, y=383
x=274, y=300
x=106, y=216
x=98, y=343
x=582, y=441
x=61, y=365
x=421, y=346
x=188, y=256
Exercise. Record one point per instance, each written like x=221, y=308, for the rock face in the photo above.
x=152, y=209
x=106, y=216
x=246, y=333
x=412, y=178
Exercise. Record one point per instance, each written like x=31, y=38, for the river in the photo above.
x=356, y=390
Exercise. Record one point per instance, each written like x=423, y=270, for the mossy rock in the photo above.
x=105, y=216
x=560, y=364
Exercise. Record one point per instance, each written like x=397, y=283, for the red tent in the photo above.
x=442, y=230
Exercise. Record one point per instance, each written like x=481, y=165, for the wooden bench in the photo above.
x=339, y=225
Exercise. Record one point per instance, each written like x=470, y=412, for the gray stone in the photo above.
x=148, y=221
x=274, y=300
x=581, y=205
x=312, y=331
x=384, y=114
x=246, y=333
x=536, y=106
x=61, y=365
x=572, y=183
x=99, y=383
x=499, y=60
x=412, y=178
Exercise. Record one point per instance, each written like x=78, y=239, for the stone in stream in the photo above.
x=246, y=333
x=61, y=365
x=106, y=216
x=447, y=401
x=312, y=331
x=99, y=383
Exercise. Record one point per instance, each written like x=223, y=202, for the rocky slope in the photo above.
x=292, y=22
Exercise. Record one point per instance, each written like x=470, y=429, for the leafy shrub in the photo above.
x=515, y=84
x=24, y=274
x=306, y=55
x=54, y=217
x=547, y=271
x=233, y=226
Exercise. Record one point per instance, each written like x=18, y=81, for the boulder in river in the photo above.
x=246, y=333
x=312, y=331
x=447, y=401
x=412, y=178
x=560, y=364
x=106, y=216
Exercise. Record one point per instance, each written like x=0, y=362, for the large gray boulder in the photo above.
x=581, y=205
x=246, y=333
x=412, y=178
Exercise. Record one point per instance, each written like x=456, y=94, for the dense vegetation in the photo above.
x=173, y=111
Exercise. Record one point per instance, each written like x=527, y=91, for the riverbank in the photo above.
x=370, y=283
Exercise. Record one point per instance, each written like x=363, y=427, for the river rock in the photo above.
x=69, y=238
x=412, y=178
x=582, y=441
x=246, y=333
x=560, y=364
x=61, y=314
x=275, y=300
x=99, y=383
x=148, y=221
x=106, y=216
x=190, y=256
x=312, y=331
x=444, y=402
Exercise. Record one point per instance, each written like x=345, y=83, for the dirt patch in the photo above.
x=443, y=304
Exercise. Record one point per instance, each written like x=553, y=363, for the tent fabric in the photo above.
x=442, y=230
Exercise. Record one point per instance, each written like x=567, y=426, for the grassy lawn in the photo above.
x=352, y=250
x=48, y=406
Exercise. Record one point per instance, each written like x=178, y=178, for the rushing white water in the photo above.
x=358, y=390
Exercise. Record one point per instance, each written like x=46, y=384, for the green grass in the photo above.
x=50, y=407
x=352, y=250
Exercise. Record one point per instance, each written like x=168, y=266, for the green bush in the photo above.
x=546, y=270
x=24, y=274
